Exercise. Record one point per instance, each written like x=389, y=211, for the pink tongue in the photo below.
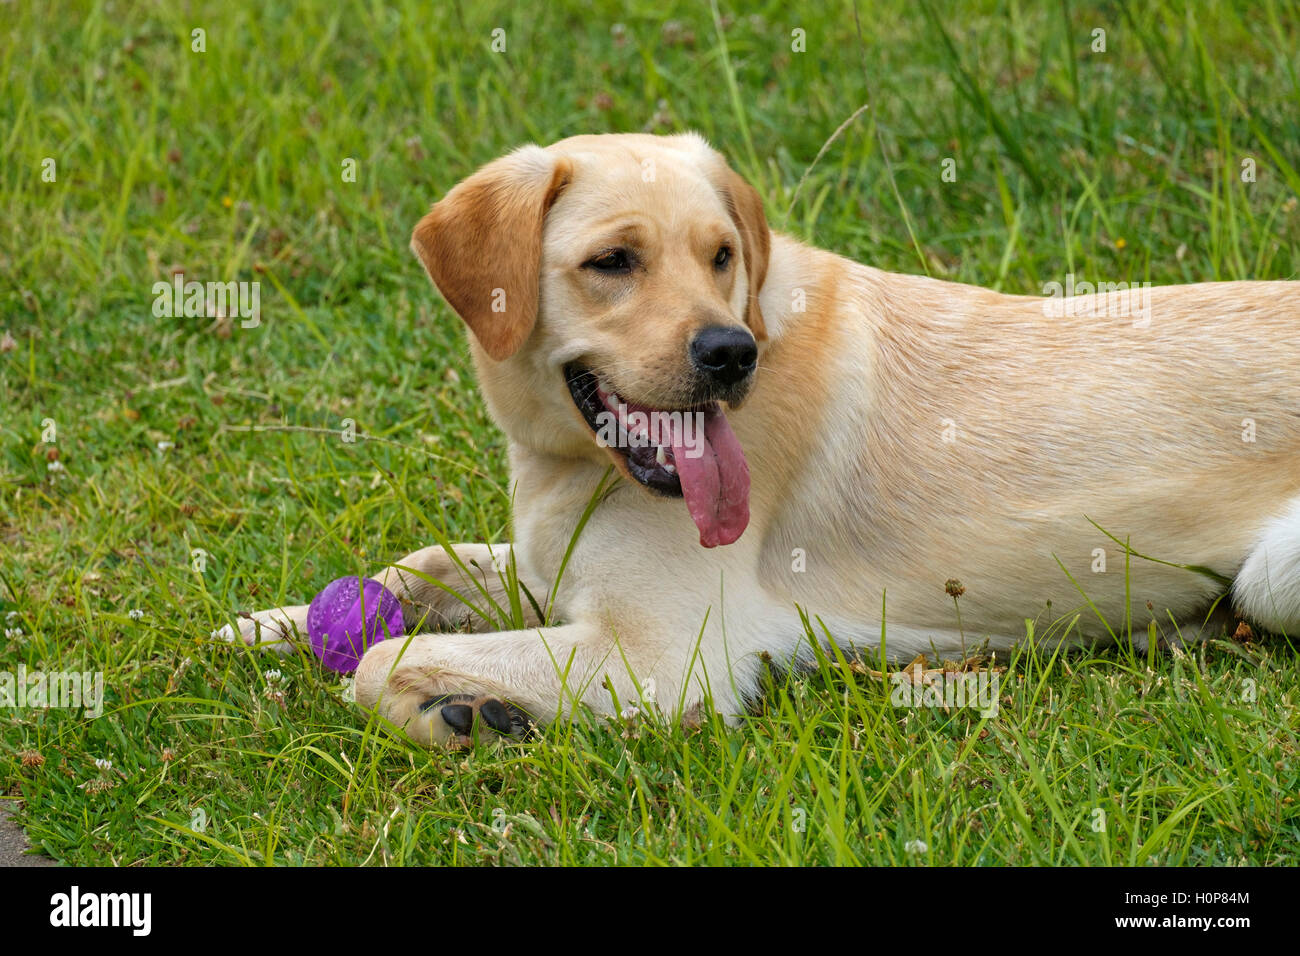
x=715, y=482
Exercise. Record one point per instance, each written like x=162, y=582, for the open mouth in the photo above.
x=689, y=453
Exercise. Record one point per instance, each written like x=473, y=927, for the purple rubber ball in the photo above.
x=339, y=634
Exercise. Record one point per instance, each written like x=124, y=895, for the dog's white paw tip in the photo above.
x=264, y=630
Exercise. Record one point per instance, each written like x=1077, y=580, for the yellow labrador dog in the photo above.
x=795, y=430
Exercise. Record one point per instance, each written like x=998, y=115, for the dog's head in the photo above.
x=611, y=284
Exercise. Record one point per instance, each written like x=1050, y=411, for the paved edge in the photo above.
x=13, y=844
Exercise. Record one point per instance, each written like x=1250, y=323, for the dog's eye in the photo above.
x=723, y=258
x=613, y=262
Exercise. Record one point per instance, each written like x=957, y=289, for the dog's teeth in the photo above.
x=670, y=469
x=661, y=455
x=605, y=387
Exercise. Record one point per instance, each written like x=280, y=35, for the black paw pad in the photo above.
x=497, y=716
x=459, y=717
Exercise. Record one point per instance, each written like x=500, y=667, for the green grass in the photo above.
x=1123, y=165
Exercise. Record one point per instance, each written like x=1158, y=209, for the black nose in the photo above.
x=724, y=353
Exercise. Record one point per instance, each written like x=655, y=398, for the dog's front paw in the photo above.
x=277, y=629
x=411, y=685
x=453, y=721
x=456, y=721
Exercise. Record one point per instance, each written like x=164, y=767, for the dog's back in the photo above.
x=972, y=435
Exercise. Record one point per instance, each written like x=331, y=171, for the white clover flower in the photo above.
x=13, y=632
x=103, y=764
x=916, y=846
x=11, y=617
x=55, y=465
x=631, y=712
x=348, y=687
x=165, y=446
x=135, y=614
x=275, y=688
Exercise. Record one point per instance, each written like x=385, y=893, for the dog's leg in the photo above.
x=447, y=689
x=425, y=605
x=471, y=593
x=275, y=629
x=1267, y=588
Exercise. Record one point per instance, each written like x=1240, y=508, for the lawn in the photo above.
x=158, y=474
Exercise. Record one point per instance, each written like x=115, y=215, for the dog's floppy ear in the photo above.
x=746, y=208
x=482, y=245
